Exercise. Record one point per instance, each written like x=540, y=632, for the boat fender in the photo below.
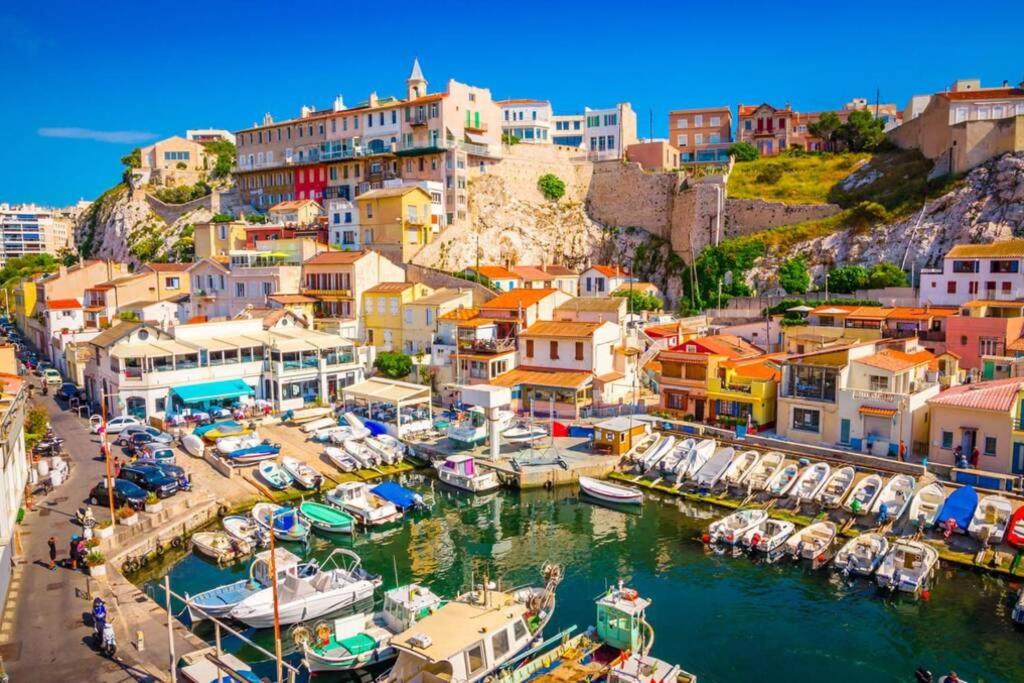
x=177, y=541
x=160, y=549
x=143, y=560
x=301, y=635
x=222, y=510
x=323, y=633
x=705, y=537
x=755, y=540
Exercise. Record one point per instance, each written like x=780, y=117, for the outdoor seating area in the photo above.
x=402, y=407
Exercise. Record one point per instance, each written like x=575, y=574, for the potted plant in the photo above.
x=128, y=516
x=153, y=503
x=96, y=563
x=104, y=529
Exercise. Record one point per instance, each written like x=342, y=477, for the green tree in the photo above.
x=640, y=301
x=255, y=218
x=793, y=275
x=509, y=139
x=862, y=132
x=847, y=279
x=743, y=151
x=825, y=127
x=133, y=159
x=226, y=153
x=393, y=365
x=886, y=275
x=551, y=186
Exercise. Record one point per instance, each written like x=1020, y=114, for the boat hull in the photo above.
x=611, y=493
x=262, y=615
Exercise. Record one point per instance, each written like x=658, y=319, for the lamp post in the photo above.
x=105, y=447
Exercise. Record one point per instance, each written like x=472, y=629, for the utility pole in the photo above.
x=106, y=456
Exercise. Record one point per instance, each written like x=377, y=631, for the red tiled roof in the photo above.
x=547, y=328
x=518, y=297
x=893, y=360
x=984, y=94
x=997, y=395
x=385, y=287
x=531, y=273
x=62, y=304
x=610, y=271
x=335, y=258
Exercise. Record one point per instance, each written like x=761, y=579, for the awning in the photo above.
x=381, y=390
x=877, y=412
x=477, y=139
x=557, y=379
x=212, y=391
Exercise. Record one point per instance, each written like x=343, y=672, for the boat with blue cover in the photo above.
x=958, y=509
x=287, y=526
x=253, y=454
x=217, y=602
x=399, y=496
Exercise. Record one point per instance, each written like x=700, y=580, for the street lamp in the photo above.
x=105, y=447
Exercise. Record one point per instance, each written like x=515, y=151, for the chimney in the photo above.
x=267, y=119
x=305, y=111
x=339, y=103
x=373, y=99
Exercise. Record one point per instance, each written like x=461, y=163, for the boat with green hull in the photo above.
x=326, y=517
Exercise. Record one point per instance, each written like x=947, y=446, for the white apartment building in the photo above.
x=568, y=129
x=343, y=223
x=13, y=470
x=528, y=120
x=975, y=271
x=30, y=229
x=609, y=131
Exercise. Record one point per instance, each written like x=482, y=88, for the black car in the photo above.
x=136, y=441
x=125, y=493
x=170, y=469
x=69, y=390
x=152, y=479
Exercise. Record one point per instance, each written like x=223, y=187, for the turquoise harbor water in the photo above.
x=726, y=618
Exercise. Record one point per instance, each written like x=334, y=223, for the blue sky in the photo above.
x=84, y=82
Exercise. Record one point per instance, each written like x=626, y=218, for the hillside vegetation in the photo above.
x=792, y=179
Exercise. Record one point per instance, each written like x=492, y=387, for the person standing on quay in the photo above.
x=52, y=543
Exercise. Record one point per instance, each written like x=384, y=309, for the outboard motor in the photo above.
x=922, y=675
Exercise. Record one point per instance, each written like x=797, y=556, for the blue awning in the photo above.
x=212, y=391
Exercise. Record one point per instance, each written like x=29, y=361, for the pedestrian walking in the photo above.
x=73, y=552
x=52, y=543
x=903, y=450
x=975, y=458
x=80, y=550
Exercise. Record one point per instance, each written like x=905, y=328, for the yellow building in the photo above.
x=217, y=239
x=382, y=312
x=296, y=212
x=745, y=389
x=396, y=221
x=23, y=302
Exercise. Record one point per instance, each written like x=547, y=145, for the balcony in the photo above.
x=328, y=293
x=476, y=126
x=418, y=121
x=891, y=396
x=487, y=345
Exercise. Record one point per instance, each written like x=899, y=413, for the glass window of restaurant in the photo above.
x=808, y=381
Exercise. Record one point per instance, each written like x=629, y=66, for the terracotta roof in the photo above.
x=610, y=271
x=385, y=192
x=893, y=360
x=292, y=204
x=994, y=249
x=335, y=258
x=555, y=270
x=910, y=313
x=62, y=304
x=292, y=298
x=728, y=345
x=998, y=395
x=760, y=368
x=594, y=304
x=476, y=322
x=609, y=376
x=984, y=94
x=831, y=309
x=876, y=412
x=1016, y=345
x=494, y=272
x=979, y=303
x=385, y=287
x=518, y=297
x=869, y=313
x=461, y=314
x=662, y=330
x=547, y=328
x=531, y=273
x=562, y=379
x=168, y=267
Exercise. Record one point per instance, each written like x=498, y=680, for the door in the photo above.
x=1018, y=458
x=698, y=409
x=844, y=431
x=967, y=441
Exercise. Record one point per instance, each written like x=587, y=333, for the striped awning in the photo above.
x=877, y=412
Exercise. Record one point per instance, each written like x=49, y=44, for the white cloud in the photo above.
x=129, y=137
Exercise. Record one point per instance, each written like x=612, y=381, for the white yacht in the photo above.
x=461, y=472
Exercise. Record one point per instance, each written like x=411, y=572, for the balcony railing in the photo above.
x=487, y=345
x=340, y=293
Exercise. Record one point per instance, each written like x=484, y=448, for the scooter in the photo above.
x=85, y=518
x=108, y=643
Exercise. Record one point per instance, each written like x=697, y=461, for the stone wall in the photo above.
x=623, y=194
x=747, y=216
x=438, y=278
x=172, y=212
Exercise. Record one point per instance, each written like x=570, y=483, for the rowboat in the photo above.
x=274, y=475
x=653, y=455
x=317, y=424
x=304, y=475
x=669, y=459
x=341, y=459
x=303, y=415
x=361, y=453
x=732, y=528
x=340, y=432
x=287, y=524
x=326, y=517
x=221, y=430
x=218, y=602
x=836, y=487
x=712, y=471
x=769, y=535
x=958, y=510
x=926, y=504
x=611, y=493
x=783, y=479
x=461, y=472
x=764, y=471
x=399, y=496
x=193, y=445
x=862, y=554
x=1015, y=528
x=369, y=509
x=907, y=566
x=219, y=546
x=810, y=542
x=895, y=496
x=253, y=454
x=741, y=467
x=810, y=481
x=863, y=495
x=359, y=430
x=990, y=519
x=243, y=528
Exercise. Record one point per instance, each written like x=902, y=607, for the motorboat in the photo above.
x=1015, y=528
x=862, y=554
x=326, y=517
x=341, y=432
x=230, y=444
x=193, y=445
x=304, y=475
x=836, y=487
x=461, y=472
x=402, y=498
x=741, y=467
x=218, y=602
x=733, y=527
x=305, y=415
x=359, y=430
x=275, y=476
x=812, y=541
x=958, y=510
x=219, y=546
x=665, y=454
x=638, y=668
x=243, y=528
x=810, y=481
x=389, y=451
x=318, y=424
x=990, y=519
x=764, y=471
x=907, y=566
x=769, y=535
x=926, y=504
x=287, y=526
x=863, y=494
x=369, y=509
x=783, y=479
x=895, y=496
x=472, y=428
x=362, y=640
x=253, y=455
x=524, y=433
x=339, y=582
x=361, y=453
x=714, y=469
x=695, y=459
x=215, y=431
x=341, y=459
x=611, y=493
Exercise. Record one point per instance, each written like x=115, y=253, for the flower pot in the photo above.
x=131, y=521
x=154, y=507
x=98, y=571
x=103, y=532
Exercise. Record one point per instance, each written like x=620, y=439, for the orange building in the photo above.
x=701, y=135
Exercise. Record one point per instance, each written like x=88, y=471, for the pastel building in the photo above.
x=609, y=132
x=337, y=280
x=469, y=348
x=529, y=121
x=501, y=278
x=701, y=135
x=28, y=229
x=988, y=416
x=382, y=312
x=975, y=271
x=602, y=280
x=421, y=317
x=654, y=155
x=686, y=368
x=986, y=331
x=396, y=221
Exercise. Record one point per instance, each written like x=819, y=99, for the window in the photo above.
x=222, y=231
x=681, y=140
x=408, y=316
x=239, y=289
x=716, y=120
x=879, y=383
x=806, y=420
x=676, y=401
x=951, y=288
x=267, y=289
x=990, y=346
x=698, y=139
x=682, y=123
x=698, y=120
x=965, y=266
x=500, y=645
x=714, y=138
x=529, y=348
x=176, y=156
x=990, y=445
x=553, y=350
x=172, y=283
x=972, y=287
x=579, y=350
x=947, y=440
x=816, y=383
x=519, y=630
x=1004, y=266
x=475, y=658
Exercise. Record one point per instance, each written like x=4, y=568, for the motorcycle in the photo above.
x=85, y=518
x=103, y=634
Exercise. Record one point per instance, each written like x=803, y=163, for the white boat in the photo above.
x=363, y=640
x=338, y=584
x=473, y=428
x=741, y=467
x=219, y=546
x=990, y=519
x=369, y=509
x=359, y=430
x=193, y=445
x=836, y=487
x=644, y=668
x=695, y=459
x=907, y=566
x=523, y=433
x=783, y=479
x=732, y=528
x=665, y=454
x=230, y=444
x=325, y=434
x=275, y=476
x=304, y=415
x=304, y=475
x=461, y=472
x=218, y=602
x=243, y=528
x=810, y=481
x=863, y=495
x=318, y=424
x=714, y=469
x=926, y=504
x=341, y=459
x=769, y=535
x=287, y=524
x=611, y=493
x=862, y=554
x=386, y=450
x=361, y=453
x=895, y=496
x=812, y=541
x=764, y=471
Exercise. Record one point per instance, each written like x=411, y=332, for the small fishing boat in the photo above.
x=654, y=455
x=359, y=430
x=243, y=528
x=221, y=430
x=764, y=471
x=669, y=459
x=907, y=566
x=990, y=519
x=769, y=535
x=810, y=481
x=836, y=487
x=361, y=453
x=193, y=445
x=695, y=459
x=402, y=498
x=341, y=459
x=287, y=524
x=863, y=495
x=714, y=469
x=230, y=444
x=732, y=528
x=862, y=554
x=741, y=467
x=461, y=472
x=638, y=668
x=958, y=510
x=369, y=509
x=304, y=475
x=304, y=415
x=253, y=455
x=895, y=496
x=274, y=475
x=317, y=424
x=1018, y=608
x=811, y=542
x=326, y=517
x=218, y=602
x=386, y=450
x=219, y=546
x=1015, y=528
x=524, y=433
x=362, y=640
x=783, y=479
x=611, y=493
x=473, y=427
x=926, y=504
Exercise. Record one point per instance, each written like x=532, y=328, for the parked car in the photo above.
x=124, y=437
x=151, y=478
x=125, y=493
x=159, y=452
x=171, y=470
x=42, y=366
x=116, y=425
x=52, y=376
x=135, y=441
x=70, y=390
